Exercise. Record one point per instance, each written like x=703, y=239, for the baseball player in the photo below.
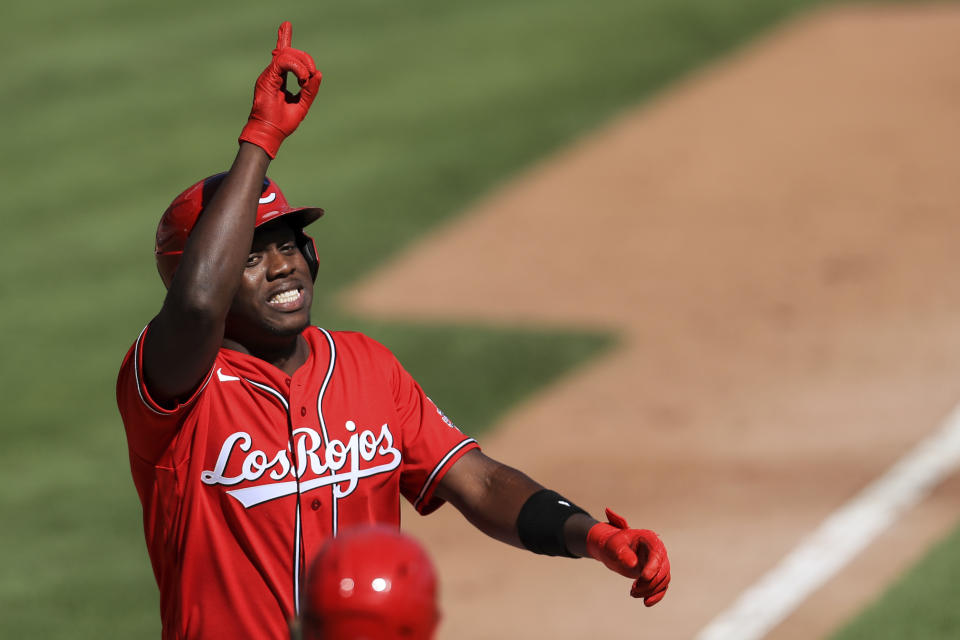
x=255, y=436
x=370, y=583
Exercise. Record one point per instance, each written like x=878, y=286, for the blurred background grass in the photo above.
x=923, y=604
x=111, y=108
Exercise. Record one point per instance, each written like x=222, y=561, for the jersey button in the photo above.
x=287, y=381
x=315, y=504
x=303, y=411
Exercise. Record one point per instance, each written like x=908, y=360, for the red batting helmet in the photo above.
x=371, y=583
x=180, y=217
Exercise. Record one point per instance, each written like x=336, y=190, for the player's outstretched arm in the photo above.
x=507, y=505
x=184, y=337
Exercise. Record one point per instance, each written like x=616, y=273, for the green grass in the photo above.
x=922, y=604
x=111, y=108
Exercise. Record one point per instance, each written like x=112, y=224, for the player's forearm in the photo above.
x=210, y=270
x=499, y=517
x=492, y=496
x=489, y=494
x=496, y=513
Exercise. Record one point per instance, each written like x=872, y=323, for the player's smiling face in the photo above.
x=276, y=290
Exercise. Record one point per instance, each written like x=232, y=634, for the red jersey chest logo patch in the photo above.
x=316, y=461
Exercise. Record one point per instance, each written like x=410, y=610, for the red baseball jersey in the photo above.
x=243, y=482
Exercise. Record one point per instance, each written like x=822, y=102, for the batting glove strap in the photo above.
x=263, y=134
x=541, y=520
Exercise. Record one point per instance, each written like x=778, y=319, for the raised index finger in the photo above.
x=284, y=35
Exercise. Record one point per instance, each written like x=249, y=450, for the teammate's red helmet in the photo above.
x=371, y=583
x=182, y=214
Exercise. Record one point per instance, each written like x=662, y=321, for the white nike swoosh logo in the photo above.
x=224, y=377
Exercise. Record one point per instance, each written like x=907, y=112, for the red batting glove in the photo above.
x=276, y=112
x=634, y=553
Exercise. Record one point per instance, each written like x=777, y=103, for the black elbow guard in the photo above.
x=541, y=520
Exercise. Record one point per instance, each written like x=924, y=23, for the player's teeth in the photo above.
x=285, y=296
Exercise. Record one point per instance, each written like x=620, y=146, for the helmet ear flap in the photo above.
x=309, y=250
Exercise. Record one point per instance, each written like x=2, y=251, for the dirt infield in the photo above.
x=775, y=240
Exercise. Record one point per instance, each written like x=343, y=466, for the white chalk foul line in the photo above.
x=839, y=538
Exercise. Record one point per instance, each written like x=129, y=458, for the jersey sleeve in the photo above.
x=432, y=443
x=149, y=426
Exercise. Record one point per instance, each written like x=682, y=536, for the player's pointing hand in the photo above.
x=276, y=112
x=634, y=553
